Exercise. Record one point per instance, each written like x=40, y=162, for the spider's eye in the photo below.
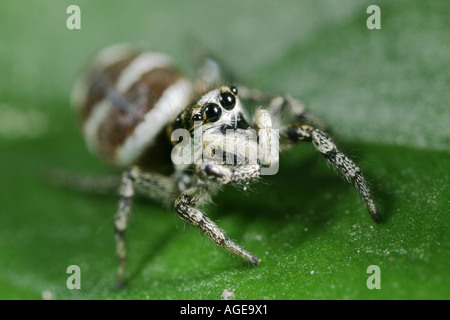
x=227, y=100
x=178, y=123
x=197, y=117
x=212, y=112
x=234, y=90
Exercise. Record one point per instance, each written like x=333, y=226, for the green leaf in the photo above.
x=384, y=93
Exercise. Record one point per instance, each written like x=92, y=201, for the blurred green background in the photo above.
x=385, y=94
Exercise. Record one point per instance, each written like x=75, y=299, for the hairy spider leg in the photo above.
x=185, y=206
x=296, y=133
x=154, y=185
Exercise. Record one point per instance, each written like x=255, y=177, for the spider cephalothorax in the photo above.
x=134, y=107
x=217, y=110
x=224, y=133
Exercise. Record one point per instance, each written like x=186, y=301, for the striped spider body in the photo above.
x=125, y=103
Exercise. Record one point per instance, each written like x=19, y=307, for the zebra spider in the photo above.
x=132, y=102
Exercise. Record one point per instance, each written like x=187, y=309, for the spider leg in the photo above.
x=186, y=207
x=293, y=134
x=154, y=185
x=227, y=174
x=284, y=108
x=208, y=75
x=212, y=175
x=83, y=182
x=121, y=222
x=208, y=72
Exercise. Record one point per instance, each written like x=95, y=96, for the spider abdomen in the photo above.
x=125, y=103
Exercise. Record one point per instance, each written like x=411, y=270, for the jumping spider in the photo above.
x=131, y=103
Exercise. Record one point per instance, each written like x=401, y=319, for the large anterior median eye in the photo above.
x=212, y=112
x=227, y=100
